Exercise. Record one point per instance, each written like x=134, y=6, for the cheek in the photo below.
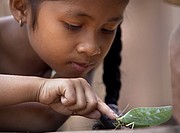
x=105, y=47
x=50, y=48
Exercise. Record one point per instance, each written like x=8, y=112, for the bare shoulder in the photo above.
x=6, y=22
x=16, y=53
x=8, y=30
x=5, y=19
x=11, y=33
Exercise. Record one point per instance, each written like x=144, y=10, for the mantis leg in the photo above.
x=131, y=124
x=117, y=125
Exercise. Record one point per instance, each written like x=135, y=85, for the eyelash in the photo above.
x=106, y=31
x=76, y=28
x=72, y=27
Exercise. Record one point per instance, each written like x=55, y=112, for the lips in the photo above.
x=81, y=67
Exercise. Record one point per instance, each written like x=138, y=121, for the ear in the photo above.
x=19, y=9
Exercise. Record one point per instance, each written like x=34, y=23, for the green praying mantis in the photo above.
x=144, y=117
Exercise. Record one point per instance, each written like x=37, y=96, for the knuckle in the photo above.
x=93, y=104
x=82, y=80
x=82, y=105
x=72, y=100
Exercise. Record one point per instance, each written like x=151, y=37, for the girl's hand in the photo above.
x=73, y=96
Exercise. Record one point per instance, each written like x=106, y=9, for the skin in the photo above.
x=175, y=72
x=72, y=37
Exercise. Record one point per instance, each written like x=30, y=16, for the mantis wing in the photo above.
x=147, y=116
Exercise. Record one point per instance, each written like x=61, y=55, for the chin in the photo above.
x=71, y=75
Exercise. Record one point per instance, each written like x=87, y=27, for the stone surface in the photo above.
x=162, y=129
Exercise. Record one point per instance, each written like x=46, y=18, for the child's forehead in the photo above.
x=91, y=3
x=72, y=7
x=80, y=1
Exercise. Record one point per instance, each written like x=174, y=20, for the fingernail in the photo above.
x=116, y=115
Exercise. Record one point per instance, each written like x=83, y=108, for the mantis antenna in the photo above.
x=124, y=110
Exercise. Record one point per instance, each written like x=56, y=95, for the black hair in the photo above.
x=34, y=4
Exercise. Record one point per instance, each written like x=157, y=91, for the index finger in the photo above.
x=106, y=110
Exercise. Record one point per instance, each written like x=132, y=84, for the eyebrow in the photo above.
x=116, y=19
x=82, y=14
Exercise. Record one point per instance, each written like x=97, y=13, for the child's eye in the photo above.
x=107, y=31
x=73, y=27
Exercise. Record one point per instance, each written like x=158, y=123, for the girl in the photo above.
x=69, y=36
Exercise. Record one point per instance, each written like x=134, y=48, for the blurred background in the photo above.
x=146, y=30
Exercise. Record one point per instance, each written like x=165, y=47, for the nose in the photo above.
x=89, y=46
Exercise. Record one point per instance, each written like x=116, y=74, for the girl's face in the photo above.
x=73, y=36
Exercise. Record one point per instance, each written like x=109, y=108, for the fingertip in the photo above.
x=105, y=110
x=112, y=115
x=115, y=115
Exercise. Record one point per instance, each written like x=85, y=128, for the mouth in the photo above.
x=82, y=67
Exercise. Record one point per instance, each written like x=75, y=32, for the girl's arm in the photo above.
x=18, y=89
x=18, y=109
x=65, y=96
